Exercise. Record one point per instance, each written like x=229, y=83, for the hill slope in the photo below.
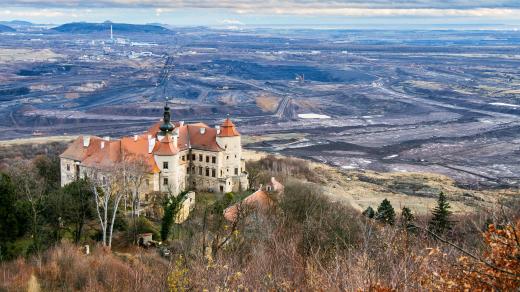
x=86, y=27
x=5, y=28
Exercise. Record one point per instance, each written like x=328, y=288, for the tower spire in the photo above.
x=167, y=126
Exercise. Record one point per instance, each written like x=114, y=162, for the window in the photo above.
x=213, y=159
x=227, y=157
x=207, y=171
x=183, y=158
x=213, y=172
x=200, y=170
x=236, y=171
x=221, y=173
x=193, y=157
x=235, y=156
x=165, y=181
x=165, y=165
x=68, y=167
x=188, y=169
x=200, y=157
x=147, y=182
x=207, y=159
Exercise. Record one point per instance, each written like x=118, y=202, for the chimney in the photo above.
x=218, y=129
x=181, y=123
x=175, y=140
x=202, y=130
x=102, y=144
x=135, y=137
x=106, y=138
x=86, y=141
x=151, y=144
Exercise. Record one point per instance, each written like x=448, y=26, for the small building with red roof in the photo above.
x=177, y=156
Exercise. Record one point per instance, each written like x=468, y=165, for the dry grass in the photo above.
x=418, y=191
x=20, y=55
x=268, y=103
x=66, y=268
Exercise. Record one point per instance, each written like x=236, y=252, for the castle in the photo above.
x=177, y=156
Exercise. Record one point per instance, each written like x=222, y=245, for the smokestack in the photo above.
x=151, y=144
x=86, y=141
x=175, y=140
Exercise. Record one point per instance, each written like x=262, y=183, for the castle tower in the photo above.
x=228, y=138
x=166, y=154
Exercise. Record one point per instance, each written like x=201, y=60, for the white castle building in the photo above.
x=178, y=157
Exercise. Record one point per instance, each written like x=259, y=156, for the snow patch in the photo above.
x=313, y=116
x=505, y=104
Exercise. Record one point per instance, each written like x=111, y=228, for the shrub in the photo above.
x=385, y=213
x=441, y=221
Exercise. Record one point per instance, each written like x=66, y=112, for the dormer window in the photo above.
x=165, y=165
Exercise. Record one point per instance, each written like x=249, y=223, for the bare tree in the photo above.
x=107, y=186
x=135, y=172
x=31, y=188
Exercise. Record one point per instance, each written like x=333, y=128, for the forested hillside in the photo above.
x=307, y=240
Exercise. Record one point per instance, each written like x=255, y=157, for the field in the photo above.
x=442, y=102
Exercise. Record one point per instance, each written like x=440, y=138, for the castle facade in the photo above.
x=177, y=157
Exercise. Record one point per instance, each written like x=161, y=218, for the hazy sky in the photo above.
x=378, y=13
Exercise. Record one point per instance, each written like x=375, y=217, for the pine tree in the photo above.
x=385, y=212
x=440, y=221
x=369, y=212
x=407, y=217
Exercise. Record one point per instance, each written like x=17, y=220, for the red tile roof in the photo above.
x=191, y=136
x=227, y=129
x=93, y=155
x=165, y=147
x=258, y=200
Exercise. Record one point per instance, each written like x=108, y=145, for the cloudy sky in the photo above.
x=304, y=13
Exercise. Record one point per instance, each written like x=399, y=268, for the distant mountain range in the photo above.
x=17, y=23
x=5, y=28
x=86, y=27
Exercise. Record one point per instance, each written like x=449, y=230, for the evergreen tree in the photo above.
x=440, y=221
x=369, y=212
x=13, y=218
x=406, y=217
x=385, y=213
x=171, y=207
